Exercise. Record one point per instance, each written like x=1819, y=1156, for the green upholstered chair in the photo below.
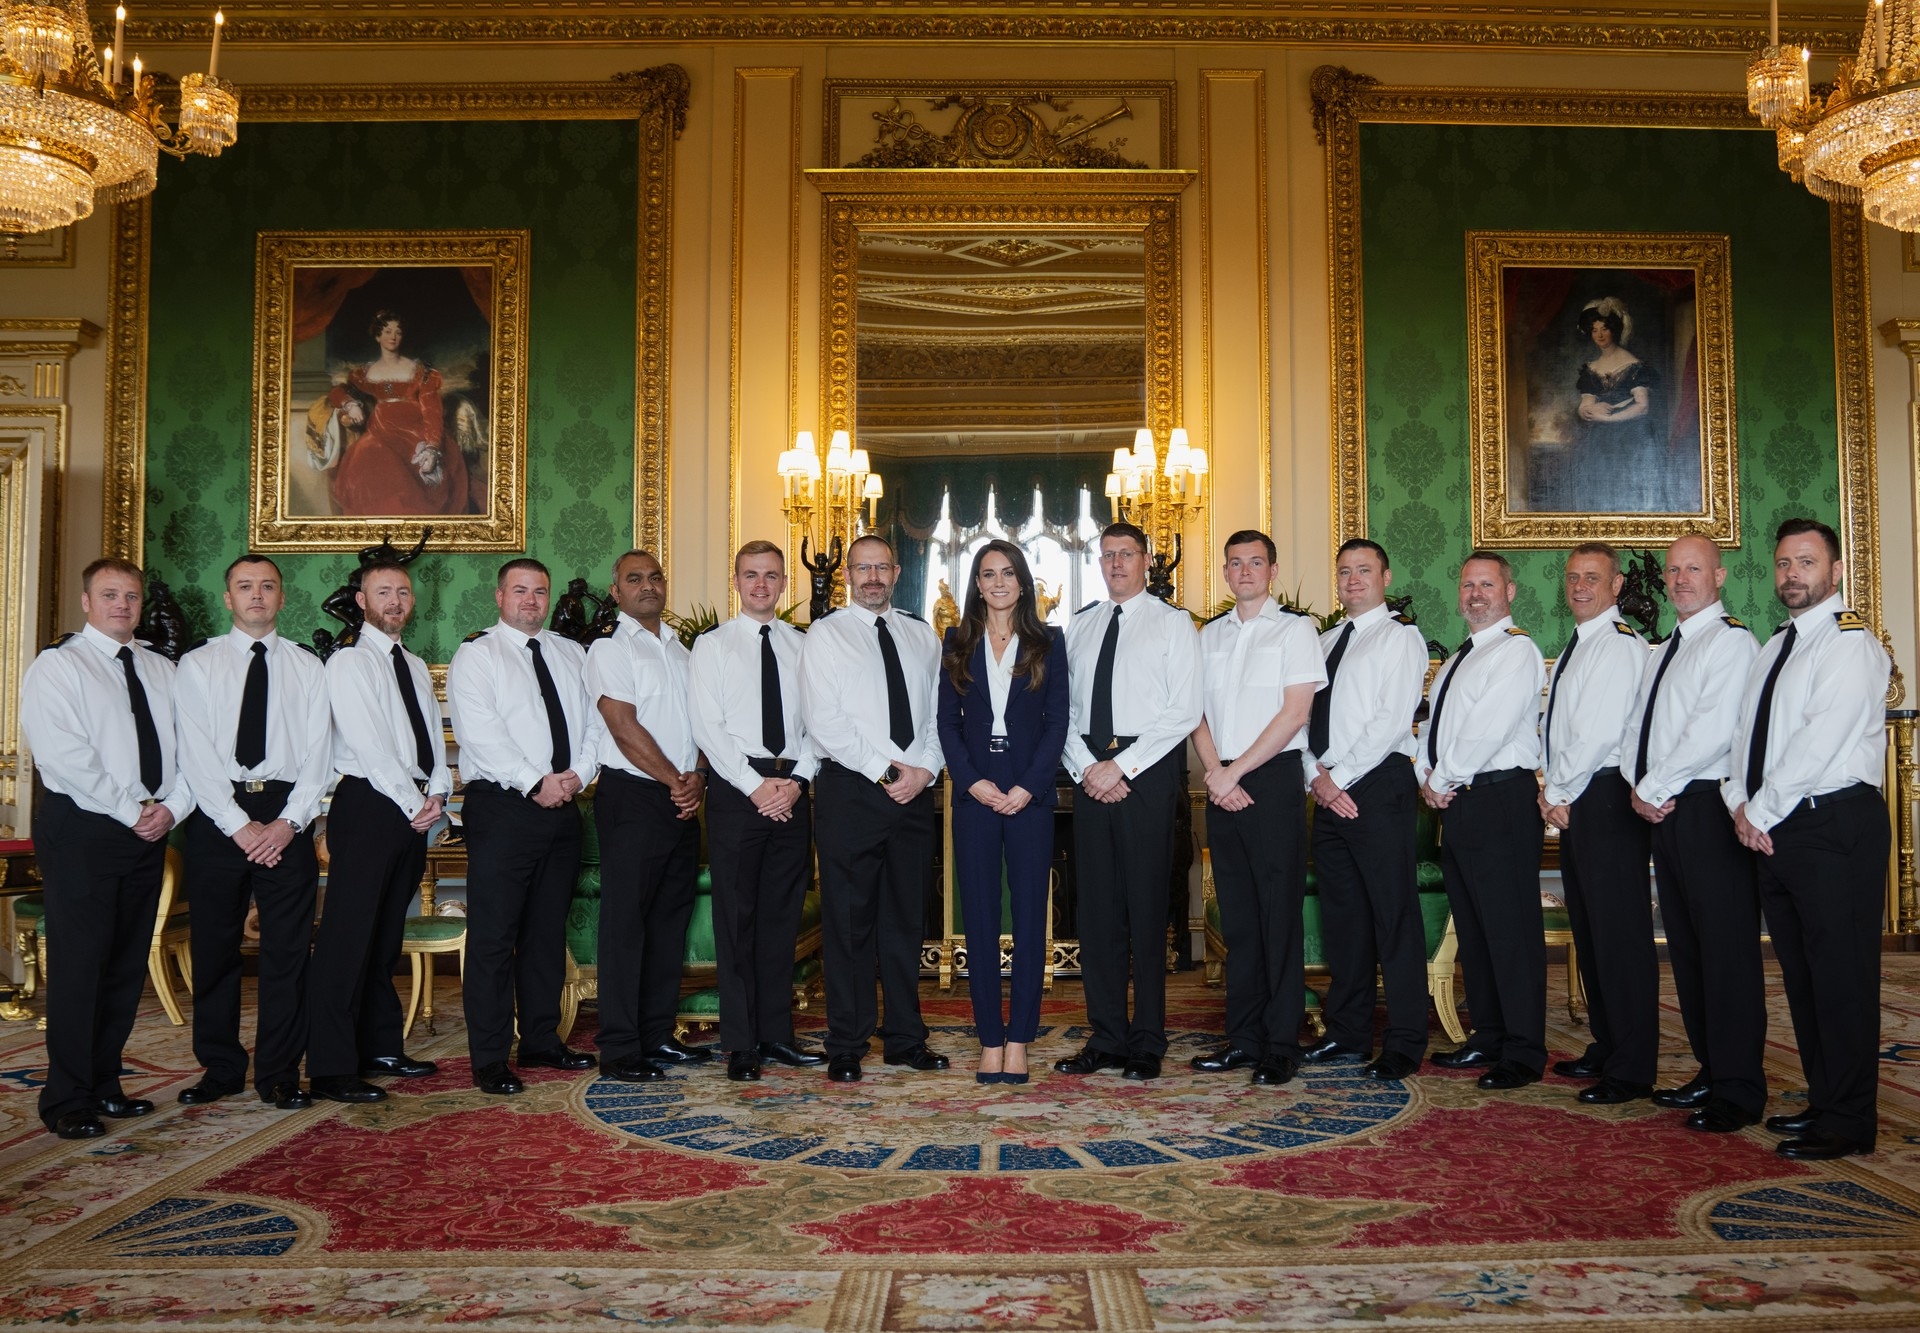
x=172, y=927
x=30, y=940
x=1558, y=929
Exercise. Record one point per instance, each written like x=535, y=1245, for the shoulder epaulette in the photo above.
x=1402, y=618
x=1847, y=620
x=711, y=628
x=1733, y=622
x=193, y=647
x=1291, y=610
x=1517, y=632
x=914, y=614
x=823, y=615
x=310, y=648
x=1622, y=627
x=1088, y=607
x=477, y=634
x=606, y=630
x=1221, y=615
x=57, y=642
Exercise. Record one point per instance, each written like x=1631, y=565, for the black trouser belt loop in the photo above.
x=1119, y=743
x=771, y=767
x=1493, y=775
x=1700, y=787
x=1852, y=793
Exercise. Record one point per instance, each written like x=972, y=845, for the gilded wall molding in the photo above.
x=1341, y=117
x=656, y=97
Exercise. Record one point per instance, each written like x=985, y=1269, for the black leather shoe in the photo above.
x=208, y=1090
x=397, y=1066
x=1089, y=1061
x=1224, y=1059
x=497, y=1079
x=560, y=1057
x=791, y=1053
x=1794, y=1126
x=1274, y=1070
x=1585, y=1066
x=1467, y=1057
x=123, y=1108
x=1695, y=1093
x=1811, y=1148
x=1613, y=1092
x=1330, y=1050
x=1721, y=1117
x=673, y=1052
x=346, y=1089
x=632, y=1069
x=1505, y=1077
x=79, y=1125
x=921, y=1058
x=1140, y=1068
x=743, y=1067
x=287, y=1097
x=1391, y=1067
x=844, y=1069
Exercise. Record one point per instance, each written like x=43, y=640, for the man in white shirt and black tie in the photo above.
x=748, y=722
x=1261, y=665
x=256, y=742
x=1809, y=758
x=1603, y=844
x=394, y=782
x=528, y=738
x=1479, y=748
x=1360, y=755
x=1676, y=750
x=1134, y=671
x=870, y=689
x=97, y=710
x=647, y=812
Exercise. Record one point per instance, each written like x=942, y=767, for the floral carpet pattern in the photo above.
x=928, y=1202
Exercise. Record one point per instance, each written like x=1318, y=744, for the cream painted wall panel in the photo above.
x=697, y=337
x=1895, y=294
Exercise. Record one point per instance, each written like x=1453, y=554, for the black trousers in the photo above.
x=1366, y=868
x=1490, y=840
x=876, y=857
x=1824, y=891
x=1260, y=874
x=1603, y=862
x=373, y=879
x=223, y=882
x=102, y=890
x=649, y=868
x=1125, y=851
x=1711, y=910
x=760, y=868
x=522, y=862
x=990, y=849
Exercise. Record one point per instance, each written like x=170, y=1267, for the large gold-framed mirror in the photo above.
x=989, y=339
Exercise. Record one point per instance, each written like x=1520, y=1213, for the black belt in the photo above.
x=1853, y=793
x=502, y=788
x=772, y=767
x=258, y=786
x=1118, y=743
x=998, y=745
x=1494, y=775
x=260, y=800
x=1700, y=787
x=1298, y=756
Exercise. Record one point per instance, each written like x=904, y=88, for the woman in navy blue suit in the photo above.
x=1003, y=724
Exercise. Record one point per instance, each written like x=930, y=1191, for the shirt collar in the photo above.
x=1704, y=614
x=376, y=640
x=1120, y=605
x=103, y=641
x=1369, y=616
x=1493, y=631
x=512, y=635
x=632, y=626
x=1820, y=616
x=1267, y=610
x=242, y=642
x=864, y=616
x=1599, y=624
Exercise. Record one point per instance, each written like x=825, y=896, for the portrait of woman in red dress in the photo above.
x=394, y=457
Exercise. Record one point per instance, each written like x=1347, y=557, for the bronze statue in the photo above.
x=1160, y=571
x=341, y=603
x=572, y=618
x=1642, y=590
x=163, y=624
x=822, y=568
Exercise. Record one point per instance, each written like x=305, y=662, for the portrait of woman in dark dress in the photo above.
x=1619, y=461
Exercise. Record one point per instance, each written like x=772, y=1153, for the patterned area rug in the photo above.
x=927, y=1202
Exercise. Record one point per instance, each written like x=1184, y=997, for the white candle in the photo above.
x=1879, y=34
x=1773, y=22
x=213, y=61
x=119, y=36
x=136, y=75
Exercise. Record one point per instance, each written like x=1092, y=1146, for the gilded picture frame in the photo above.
x=1600, y=388
x=389, y=389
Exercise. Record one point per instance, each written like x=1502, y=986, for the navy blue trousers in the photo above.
x=982, y=842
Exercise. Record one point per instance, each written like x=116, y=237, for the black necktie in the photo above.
x=422, y=747
x=1763, y=717
x=1553, y=693
x=1646, y=721
x=1100, y=725
x=1320, y=720
x=773, y=713
x=151, y=767
x=899, y=711
x=250, y=741
x=556, y=715
x=1440, y=701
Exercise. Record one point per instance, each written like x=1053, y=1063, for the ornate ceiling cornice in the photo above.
x=1706, y=25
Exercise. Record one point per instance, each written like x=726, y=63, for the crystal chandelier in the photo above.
x=1861, y=143
x=73, y=127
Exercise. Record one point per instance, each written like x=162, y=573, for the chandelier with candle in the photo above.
x=1158, y=495
x=823, y=498
x=74, y=127
x=1860, y=143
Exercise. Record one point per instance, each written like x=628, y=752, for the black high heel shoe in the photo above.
x=990, y=1076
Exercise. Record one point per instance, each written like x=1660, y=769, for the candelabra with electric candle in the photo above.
x=829, y=499
x=1159, y=493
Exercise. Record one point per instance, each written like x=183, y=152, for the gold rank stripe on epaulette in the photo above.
x=1622, y=627
x=1849, y=620
x=1516, y=631
x=477, y=634
x=1734, y=622
x=606, y=631
x=1402, y=618
x=57, y=642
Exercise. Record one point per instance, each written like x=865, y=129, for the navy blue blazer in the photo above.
x=1036, y=723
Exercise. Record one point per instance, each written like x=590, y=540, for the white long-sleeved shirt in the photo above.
x=843, y=690
x=209, y=687
x=1491, y=720
x=1696, y=709
x=372, y=735
x=1246, y=667
x=77, y=715
x=648, y=672
x=1828, y=728
x=500, y=719
x=1373, y=695
x=1590, y=693
x=724, y=701
x=1157, y=691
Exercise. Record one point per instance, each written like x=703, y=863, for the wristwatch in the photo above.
x=891, y=776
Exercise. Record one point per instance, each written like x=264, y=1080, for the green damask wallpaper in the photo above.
x=1424, y=186
x=572, y=184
